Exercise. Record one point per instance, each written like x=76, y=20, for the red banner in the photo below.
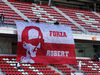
x=39, y=43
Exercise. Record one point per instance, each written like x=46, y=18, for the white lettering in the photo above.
x=48, y=53
x=57, y=53
x=51, y=53
x=62, y=53
x=66, y=52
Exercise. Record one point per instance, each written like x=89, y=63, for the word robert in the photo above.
x=57, y=53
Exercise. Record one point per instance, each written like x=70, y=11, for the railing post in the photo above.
x=49, y=3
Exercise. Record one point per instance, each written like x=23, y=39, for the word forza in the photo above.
x=57, y=34
x=57, y=53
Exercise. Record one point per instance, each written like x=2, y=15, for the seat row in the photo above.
x=88, y=66
x=48, y=15
x=27, y=68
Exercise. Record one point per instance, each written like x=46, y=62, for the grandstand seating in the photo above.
x=89, y=67
x=86, y=19
x=10, y=14
x=33, y=12
x=8, y=65
x=37, y=11
x=46, y=14
x=64, y=68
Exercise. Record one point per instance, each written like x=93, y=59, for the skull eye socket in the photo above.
x=33, y=34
